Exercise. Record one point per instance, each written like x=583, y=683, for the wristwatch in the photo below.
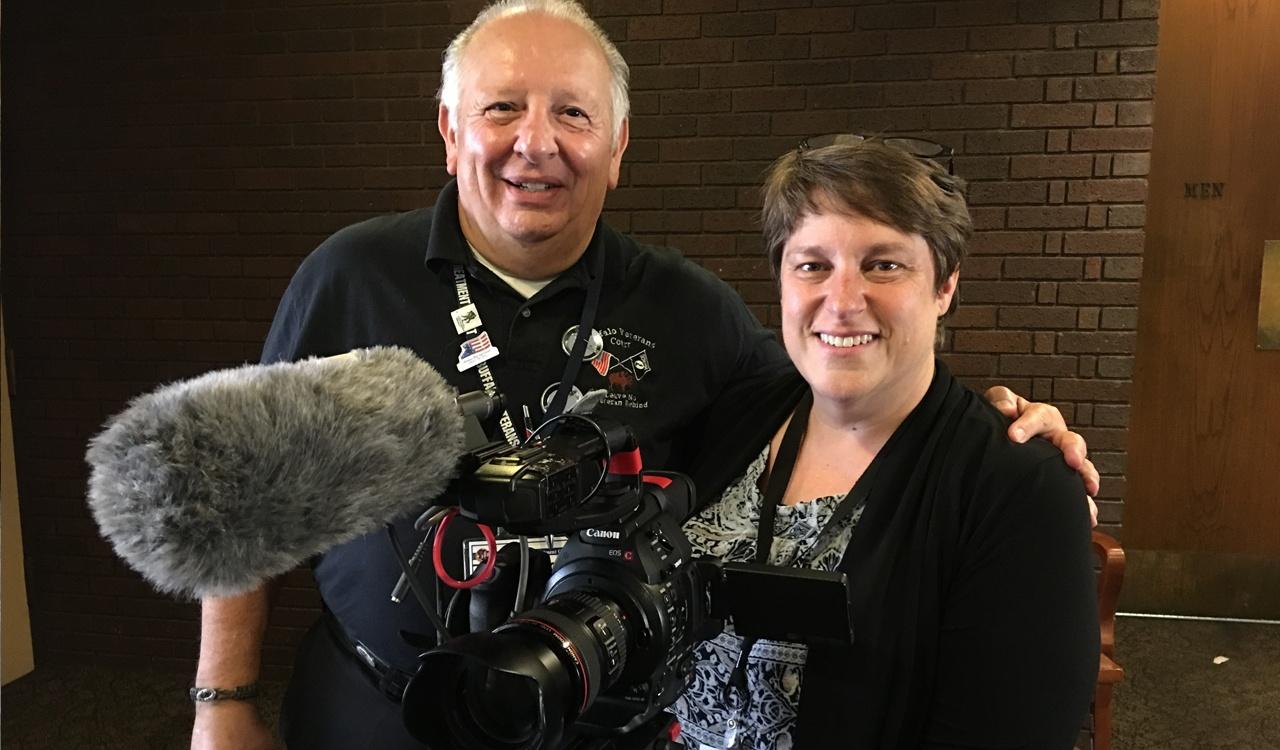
x=209, y=694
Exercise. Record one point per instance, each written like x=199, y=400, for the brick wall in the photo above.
x=167, y=166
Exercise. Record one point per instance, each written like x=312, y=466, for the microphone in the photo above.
x=211, y=486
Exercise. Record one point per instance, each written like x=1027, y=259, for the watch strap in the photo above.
x=209, y=694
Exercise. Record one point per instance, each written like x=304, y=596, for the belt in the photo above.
x=389, y=679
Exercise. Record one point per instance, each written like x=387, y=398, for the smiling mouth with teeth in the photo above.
x=531, y=187
x=846, y=342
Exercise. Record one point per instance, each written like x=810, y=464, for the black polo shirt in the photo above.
x=672, y=337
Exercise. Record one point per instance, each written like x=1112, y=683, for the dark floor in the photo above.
x=1174, y=696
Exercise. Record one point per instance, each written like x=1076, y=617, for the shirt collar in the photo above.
x=446, y=245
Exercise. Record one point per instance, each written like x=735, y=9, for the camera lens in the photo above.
x=521, y=685
x=504, y=704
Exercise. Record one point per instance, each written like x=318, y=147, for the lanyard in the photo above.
x=780, y=477
x=585, y=322
x=735, y=693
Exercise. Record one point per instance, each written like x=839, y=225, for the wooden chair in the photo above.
x=1110, y=576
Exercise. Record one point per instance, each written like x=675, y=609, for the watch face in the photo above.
x=595, y=343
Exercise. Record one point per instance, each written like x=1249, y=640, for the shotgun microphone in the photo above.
x=213, y=485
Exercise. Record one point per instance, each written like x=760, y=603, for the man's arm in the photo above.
x=231, y=633
x=1031, y=419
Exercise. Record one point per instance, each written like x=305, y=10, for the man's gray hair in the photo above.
x=568, y=10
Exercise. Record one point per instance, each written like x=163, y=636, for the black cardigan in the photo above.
x=970, y=576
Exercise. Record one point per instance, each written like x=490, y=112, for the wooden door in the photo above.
x=1202, y=507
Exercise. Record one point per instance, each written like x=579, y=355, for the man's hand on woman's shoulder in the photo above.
x=1031, y=419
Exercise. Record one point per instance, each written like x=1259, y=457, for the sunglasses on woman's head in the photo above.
x=918, y=147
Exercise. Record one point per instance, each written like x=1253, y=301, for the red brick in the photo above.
x=1110, y=242
x=1006, y=192
x=1139, y=8
x=1038, y=365
x=1097, y=342
x=1054, y=63
x=1037, y=317
x=1005, y=242
x=733, y=124
x=987, y=218
x=696, y=51
x=848, y=44
x=927, y=40
x=1016, y=37
x=894, y=17
x=813, y=72
x=663, y=27
x=639, y=54
x=1047, y=217
x=1122, y=268
x=1076, y=165
x=1042, y=268
x=1110, y=415
x=682, y=102
x=992, y=341
x=739, y=24
x=1058, y=11
x=855, y=96
x=1137, y=60
x=734, y=173
x=967, y=117
x=1107, y=191
x=891, y=68
x=972, y=66
x=668, y=77
x=979, y=13
x=982, y=167
x=664, y=174
x=1134, y=113
x=1007, y=90
x=816, y=20
x=1111, y=139
x=1116, y=87
x=1130, y=164
x=1007, y=142
x=765, y=100
x=691, y=6
x=1126, y=216
x=1117, y=34
x=1069, y=389
x=773, y=48
x=924, y=93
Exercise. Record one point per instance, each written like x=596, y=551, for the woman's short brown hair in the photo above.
x=883, y=182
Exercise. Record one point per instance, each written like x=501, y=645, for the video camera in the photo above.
x=610, y=642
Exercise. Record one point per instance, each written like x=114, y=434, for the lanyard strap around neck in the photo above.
x=735, y=691
x=486, y=375
x=585, y=323
x=780, y=477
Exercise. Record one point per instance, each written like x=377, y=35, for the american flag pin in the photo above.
x=476, y=350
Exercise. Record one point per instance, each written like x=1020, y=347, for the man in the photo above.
x=534, y=116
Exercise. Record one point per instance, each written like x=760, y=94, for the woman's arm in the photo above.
x=1018, y=647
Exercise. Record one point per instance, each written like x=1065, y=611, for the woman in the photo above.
x=970, y=577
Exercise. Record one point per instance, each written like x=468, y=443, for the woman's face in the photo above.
x=860, y=311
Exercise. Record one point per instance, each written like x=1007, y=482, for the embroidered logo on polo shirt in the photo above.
x=623, y=362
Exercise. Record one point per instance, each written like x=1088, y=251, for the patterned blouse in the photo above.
x=726, y=529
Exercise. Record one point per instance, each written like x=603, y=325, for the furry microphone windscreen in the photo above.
x=211, y=486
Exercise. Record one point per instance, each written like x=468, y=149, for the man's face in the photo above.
x=532, y=146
